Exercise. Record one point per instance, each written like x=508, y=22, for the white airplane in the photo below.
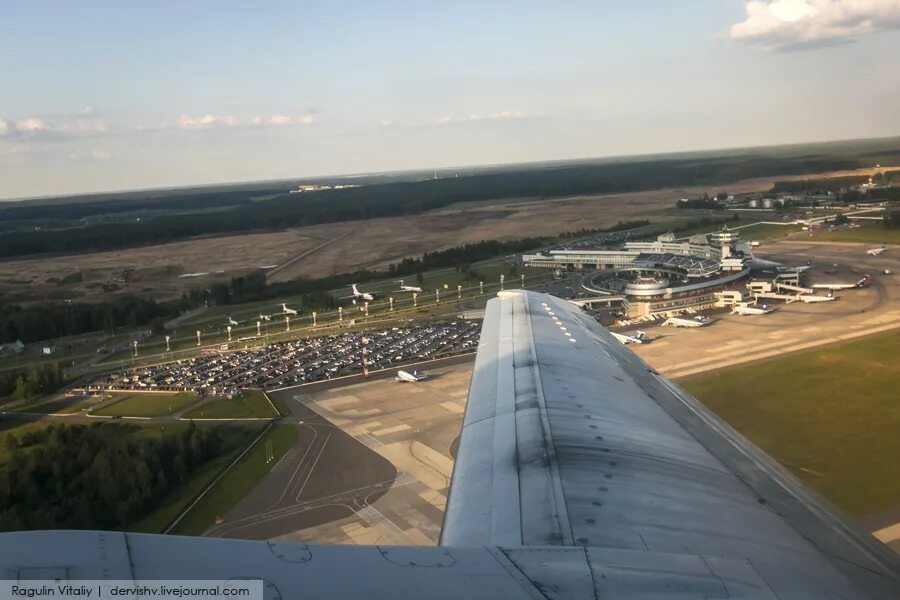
x=407, y=377
x=799, y=269
x=409, y=288
x=699, y=321
x=808, y=298
x=550, y=498
x=232, y=321
x=362, y=295
x=876, y=251
x=639, y=337
x=843, y=286
x=287, y=311
x=743, y=309
x=263, y=317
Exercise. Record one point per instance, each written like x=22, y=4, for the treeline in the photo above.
x=402, y=198
x=50, y=321
x=461, y=257
x=96, y=477
x=620, y=226
x=30, y=383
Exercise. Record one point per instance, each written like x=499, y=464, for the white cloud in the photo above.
x=4, y=127
x=794, y=24
x=205, y=121
x=502, y=115
x=20, y=149
x=289, y=120
x=31, y=125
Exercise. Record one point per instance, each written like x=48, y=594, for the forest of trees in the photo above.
x=30, y=383
x=50, y=321
x=95, y=477
x=402, y=198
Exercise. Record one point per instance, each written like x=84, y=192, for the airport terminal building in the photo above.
x=658, y=277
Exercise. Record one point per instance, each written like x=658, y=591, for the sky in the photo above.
x=102, y=96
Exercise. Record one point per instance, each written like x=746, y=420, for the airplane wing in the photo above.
x=581, y=473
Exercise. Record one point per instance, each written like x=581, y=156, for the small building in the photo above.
x=48, y=349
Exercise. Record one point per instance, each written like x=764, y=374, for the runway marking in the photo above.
x=395, y=429
x=331, y=403
x=368, y=440
x=888, y=534
x=453, y=407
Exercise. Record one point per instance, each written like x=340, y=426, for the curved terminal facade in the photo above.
x=659, y=277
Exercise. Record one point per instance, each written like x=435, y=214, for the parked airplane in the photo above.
x=744, y=309
x=580, y=473
x=407, y=377
x=844, y=286
x=698, y=321
x=263, y=317
x=287, y=311
x=409, y=288
x=876, y=251
x=807, y=298
x=231, y=321
x=639, y=337
x=358, y=295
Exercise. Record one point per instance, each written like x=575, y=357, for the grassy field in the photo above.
x=871, y=234
x=147, y=405
x=830, y=415
x=242, y=478
x=765, y=231
x=252, y=404
x=61, y=406
x=235, y=438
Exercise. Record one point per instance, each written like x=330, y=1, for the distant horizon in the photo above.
x=425, y=169
x=144, y=95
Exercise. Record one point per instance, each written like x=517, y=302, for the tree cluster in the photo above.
x=30, y=383
x=95, y=477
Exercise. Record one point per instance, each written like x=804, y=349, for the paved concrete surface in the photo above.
x=737, y=339
x=372, y=465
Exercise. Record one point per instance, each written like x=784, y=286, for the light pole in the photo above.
x=134, y=343
x=437, y=296
x=340, y=313
x=198, y=337
x=415, y=301
x=391, y=300
x=523, y=280
x=258, y=328
x=314, y=318
x=229, y=332
x=167, y=344
x=459, y=292
x=366, y=307
x=481, y=288
x=287, y=322
x=502, y=277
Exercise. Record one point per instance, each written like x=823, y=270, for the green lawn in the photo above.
x=867, y=234
x=63, y=406
x=147, y=405
x=765, y=231
x=832, y=416
x=252, y=404
x=238, y=482
x=235, y=438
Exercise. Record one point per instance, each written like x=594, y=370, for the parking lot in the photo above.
x=300, y=361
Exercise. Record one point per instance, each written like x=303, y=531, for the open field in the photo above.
x=152, y=270
x=250, y=405
x=146, y=405
x=233, y=486
x=60, y=406
x=830, y=415
x=870, y=234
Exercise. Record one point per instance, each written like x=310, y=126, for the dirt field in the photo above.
x=323, y=250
